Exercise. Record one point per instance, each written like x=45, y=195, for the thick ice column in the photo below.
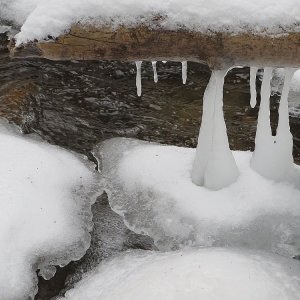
x=184, y=71
x=273, y=155
x=214, y=166
x=154, y=71
x=253, y=72
x=139, y=77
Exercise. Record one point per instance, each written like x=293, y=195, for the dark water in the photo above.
x=78, y=104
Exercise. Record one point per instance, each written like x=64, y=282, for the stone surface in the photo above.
x=142, y=43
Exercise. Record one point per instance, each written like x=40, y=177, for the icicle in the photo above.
x=253, y=72
x=184, y=71
x=139, y=77
x=214, y=165
x=155, y=71
x=164, y=61
x=273, y=156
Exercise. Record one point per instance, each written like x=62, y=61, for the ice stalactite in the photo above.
x=155, y=71
x=253, y=72
x=184, y=71
x=164, y=61
x=214, y=166
x=139, y=77
x=273, y=155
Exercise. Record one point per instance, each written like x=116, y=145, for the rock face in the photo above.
x=142, y=43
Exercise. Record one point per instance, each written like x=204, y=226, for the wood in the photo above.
x=142, y=43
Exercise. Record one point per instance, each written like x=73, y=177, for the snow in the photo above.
x=150, y=186
x=208, y=274
x=40, y=18
x=214, y=165
x=45, y=217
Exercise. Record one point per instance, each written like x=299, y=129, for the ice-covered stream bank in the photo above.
x=77, y=104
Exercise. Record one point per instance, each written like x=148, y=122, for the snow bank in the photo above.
x=150, y=186
x=196, y=274
x=45, y=218
x=40, y=18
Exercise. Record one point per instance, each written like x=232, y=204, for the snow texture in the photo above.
x=40, y=18
x=208, y=274
x=45, y=216
x=150, y=186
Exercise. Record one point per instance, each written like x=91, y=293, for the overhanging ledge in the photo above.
x=142, y=43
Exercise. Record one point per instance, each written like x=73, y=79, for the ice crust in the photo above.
x=208, y=274
x=45, y=216
x=40, y=18
x=150, y=186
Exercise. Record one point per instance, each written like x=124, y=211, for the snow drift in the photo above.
x=45, y=216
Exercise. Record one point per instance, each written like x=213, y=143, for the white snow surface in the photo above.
x=40, y=18
x=45, y=217
x=208, y=274
x=150, y=186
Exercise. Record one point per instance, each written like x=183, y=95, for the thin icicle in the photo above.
x=155, y=71
x=184, y=71
x=273, y=156
x=139, y=77
x=253, y=72
x=214, y=166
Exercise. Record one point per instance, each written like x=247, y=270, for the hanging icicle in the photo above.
x=184, y=71
x=273, y=156
x=214, y=166
x=253, y=72
x=139, y=77
x=155, y=71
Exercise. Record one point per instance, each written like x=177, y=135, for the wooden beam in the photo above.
x=142, y=43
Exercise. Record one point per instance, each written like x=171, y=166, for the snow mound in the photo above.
x=45, y=218
x=208, y=274
x=150, y=186
x=40, y=18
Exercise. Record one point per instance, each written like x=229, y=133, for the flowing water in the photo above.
x=78, y=104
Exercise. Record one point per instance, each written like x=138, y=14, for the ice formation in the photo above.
x=253, y=72
x=184, y=71
x=214, y=165
x=294, y=95
x=150, y=186
x=208, y=274
x=154, y=72
x=273, y=155
x=45, y=217
x=139, y=77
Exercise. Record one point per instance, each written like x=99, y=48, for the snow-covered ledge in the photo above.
x=217, y=49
